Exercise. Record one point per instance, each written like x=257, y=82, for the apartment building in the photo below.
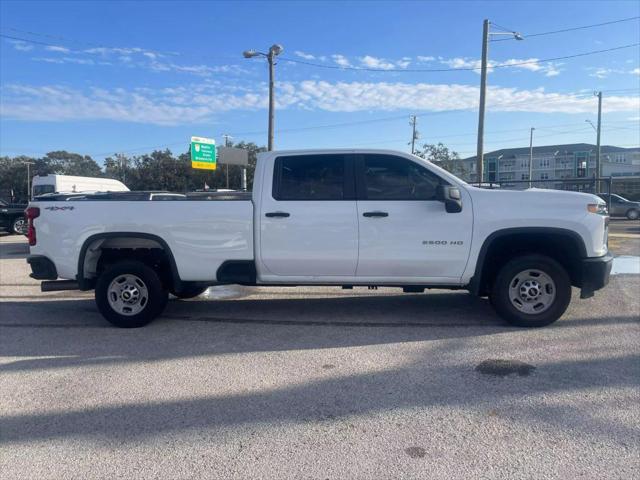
x=554, y=162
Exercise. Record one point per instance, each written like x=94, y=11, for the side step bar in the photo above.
x=57, y=285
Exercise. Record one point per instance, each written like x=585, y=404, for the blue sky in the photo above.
x=106, y=77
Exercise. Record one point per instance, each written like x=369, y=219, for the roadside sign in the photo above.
x=203, y=153
x=233, y=156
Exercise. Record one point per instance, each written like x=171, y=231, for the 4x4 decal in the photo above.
x=55, y=208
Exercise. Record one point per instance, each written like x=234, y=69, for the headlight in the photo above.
x=599, y=208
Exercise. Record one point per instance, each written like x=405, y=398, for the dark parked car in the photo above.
x=12, y=217
x=621, y=207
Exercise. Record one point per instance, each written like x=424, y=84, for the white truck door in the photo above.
x=404, y=231
x=308, y=218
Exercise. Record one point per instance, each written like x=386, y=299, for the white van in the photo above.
x=42, y=184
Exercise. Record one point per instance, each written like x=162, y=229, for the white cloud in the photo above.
x=199, y=103
x=200, y=70
x=62, y=60
x=601, y=72
x=21, y=46
x=306, y=56
x=341, y=60
x=549, y=69
x=133, y=57
x=56, y=48
x=635, y=71
x=377, y=63
x=422, y=58
x=369, y=61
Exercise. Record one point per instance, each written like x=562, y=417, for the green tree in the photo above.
x=67, y=163
x=13, y=178
x=443, y=157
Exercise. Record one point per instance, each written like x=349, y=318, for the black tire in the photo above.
x=156, y=296
x=19, y=226
x=188, y=292
x=633, y=214
x=500, y=292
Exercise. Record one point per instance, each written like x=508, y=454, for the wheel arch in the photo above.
x=88, y=258
x=563, y=245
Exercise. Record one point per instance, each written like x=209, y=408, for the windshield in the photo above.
x=42, y=189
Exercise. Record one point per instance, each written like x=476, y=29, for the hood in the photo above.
x=537, y=194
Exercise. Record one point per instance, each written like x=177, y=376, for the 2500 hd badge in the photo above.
x=442, y=242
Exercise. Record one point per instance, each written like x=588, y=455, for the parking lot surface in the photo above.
x=316, y=383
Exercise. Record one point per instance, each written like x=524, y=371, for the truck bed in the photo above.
x=202, y=231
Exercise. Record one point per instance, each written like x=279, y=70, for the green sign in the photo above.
x=203, y=153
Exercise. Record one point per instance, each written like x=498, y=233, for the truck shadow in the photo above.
x=64, y=331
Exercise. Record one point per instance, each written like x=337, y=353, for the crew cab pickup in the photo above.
x=327, y=217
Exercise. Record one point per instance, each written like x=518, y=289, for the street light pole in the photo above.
x=483, y=92
x=271, y=99
x=413, y=134
x=274, y=51
x=531, y=155
x=226, y=144
x=599, y=94
x=486, y=33
x=29, y=179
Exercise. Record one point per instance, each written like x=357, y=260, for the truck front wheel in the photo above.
x=129, y=294
x=531, y=291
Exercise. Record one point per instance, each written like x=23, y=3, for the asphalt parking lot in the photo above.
x=318, y=383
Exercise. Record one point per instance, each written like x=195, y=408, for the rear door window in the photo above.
x=313, y=177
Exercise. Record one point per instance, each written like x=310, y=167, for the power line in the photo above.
x=571, y=29
x=434, y=70
x=371, y=69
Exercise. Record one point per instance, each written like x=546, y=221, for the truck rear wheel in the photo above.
x=531, y=291
x=129, y=294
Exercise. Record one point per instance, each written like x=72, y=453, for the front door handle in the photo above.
x=276, y=214
x=375, y=214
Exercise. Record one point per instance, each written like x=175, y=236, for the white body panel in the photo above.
x=410, y=242
x=72, y=184
x=200, y=234
x=321, y=242
x=318, y=239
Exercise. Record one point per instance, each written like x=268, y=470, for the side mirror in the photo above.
x=451, y=198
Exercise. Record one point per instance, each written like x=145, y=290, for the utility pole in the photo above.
x=123, y=169
x=414, y=135
x=29, y=179
x=599, y=94
x=486, y=33
x=274, y=51
x=531, y=155
x=226, y=144
x=272, y=100
x=483, y=94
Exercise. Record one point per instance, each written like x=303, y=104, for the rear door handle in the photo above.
x=375, y=214
x=276, y=214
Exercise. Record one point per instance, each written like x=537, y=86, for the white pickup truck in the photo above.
x=327, y=217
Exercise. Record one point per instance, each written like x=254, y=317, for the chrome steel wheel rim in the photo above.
x=532, y=291
x=20, y=226
x=128, y=295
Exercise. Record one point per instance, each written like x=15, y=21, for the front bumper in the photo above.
x=42, y=268
x=595, y=274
